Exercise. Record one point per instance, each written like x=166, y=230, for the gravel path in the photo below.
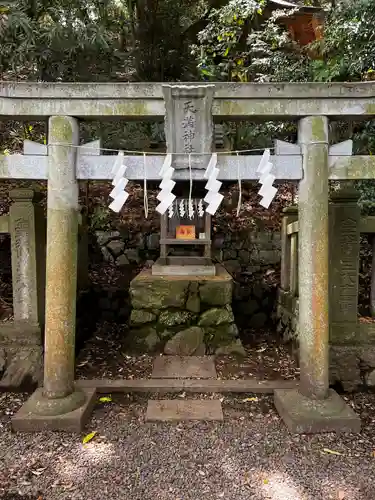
x=249, y=456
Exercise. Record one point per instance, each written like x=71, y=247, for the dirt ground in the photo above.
x=250, y=455
x=104, y=356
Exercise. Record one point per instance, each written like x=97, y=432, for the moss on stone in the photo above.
x=62, y=129
x=185, y=343
x=235, y=348
x=216, y=293
x=140, y=316
x=318, y=129
x=221, y=335
x=216, y=316
x=193, y=303
x=173, y=318
x=158, y=294
x=144, y=340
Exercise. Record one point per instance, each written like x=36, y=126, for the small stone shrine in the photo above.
x=182, y=303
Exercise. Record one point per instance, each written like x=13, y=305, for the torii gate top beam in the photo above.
x=245, y=101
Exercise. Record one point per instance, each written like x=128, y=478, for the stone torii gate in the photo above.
x=61, y=404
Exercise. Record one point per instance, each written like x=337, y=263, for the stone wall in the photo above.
x=183, y=315
x=251, y=257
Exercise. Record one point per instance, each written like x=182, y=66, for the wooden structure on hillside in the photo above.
x=304, y=23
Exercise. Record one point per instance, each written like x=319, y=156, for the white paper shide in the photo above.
x=213, y=198
x=267, y=191
x=118, y=193
x=166, y=197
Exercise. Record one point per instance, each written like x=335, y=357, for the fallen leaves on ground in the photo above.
x=331, y=452
x=105, y=399
x=89, y=437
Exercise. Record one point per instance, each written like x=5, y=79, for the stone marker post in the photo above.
x=59, y=405
x=27, y=230
x=345, y=214
x=314, y=408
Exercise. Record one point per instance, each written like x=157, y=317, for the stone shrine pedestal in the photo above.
x=183, y=315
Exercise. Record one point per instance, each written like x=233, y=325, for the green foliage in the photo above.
x=99, y=219
x=222, y=50
x=349, y=41
x=61, y=39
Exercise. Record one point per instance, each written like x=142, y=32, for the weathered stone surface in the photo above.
x=165, y=334
x=235, y=347
x=2, y=360
x=151, y=341
x=122, y=260
x=216, y=293
x=181, y=410
x=244, y=256
x=103, y=237
x=201, y=351
x=313, y=262
x=158, y=293
x=193, y=303
x=367, y=355
x=221, y=335
x=139, y=316
x=116, y=247
x=153, y=241
x=198, y=367
x=107, y=256
x=308, y=416
x=370, y=379
x=185, y=343
x=269, y=256
x=232, y=266
x=133, y=255
x=173, y=318
x=345, y=367
x=230, y=255
x=216, y=316
x=258, y=320
x=144, y=339
x=28, y=240
x=29, y=418
x=24, y=369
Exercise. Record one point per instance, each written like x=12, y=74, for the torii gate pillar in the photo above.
x=314, y=407
x=59, y=405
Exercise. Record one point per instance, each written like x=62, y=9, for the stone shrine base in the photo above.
x=40, y=414
x=183, y=315
x=307, y=416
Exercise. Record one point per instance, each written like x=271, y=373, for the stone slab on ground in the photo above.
x=26, y=420
x=306, y=416
x=174, y=386
x=196, y=367
x=175, y=410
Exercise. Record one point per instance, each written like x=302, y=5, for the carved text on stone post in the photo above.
x=188, y=125
x=22, y=260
